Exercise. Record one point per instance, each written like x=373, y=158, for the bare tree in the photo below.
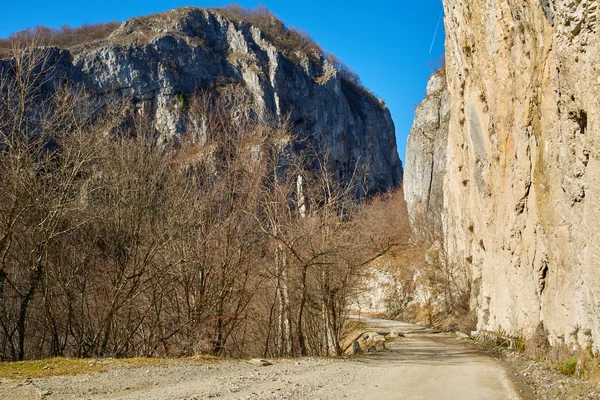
x=115, y=242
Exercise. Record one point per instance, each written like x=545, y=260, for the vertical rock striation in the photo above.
x=159, y=61
x=522, y=186
x=426, y=157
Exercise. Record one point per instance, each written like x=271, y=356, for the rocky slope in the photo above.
x=523, y=172
x=159, y=61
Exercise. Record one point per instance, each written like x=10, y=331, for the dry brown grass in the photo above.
x=590, y=365
x=288, y=40
x=64, y=37
x=49, y=367
x=60, y=366
x=581, y=362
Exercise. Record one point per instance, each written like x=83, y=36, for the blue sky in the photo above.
x=387, y=42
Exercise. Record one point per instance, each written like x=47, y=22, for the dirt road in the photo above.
x=420, y=365
x=429, y=365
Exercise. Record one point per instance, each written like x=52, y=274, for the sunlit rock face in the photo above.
x=522, y=181
x=159, y=61
x=426, y=150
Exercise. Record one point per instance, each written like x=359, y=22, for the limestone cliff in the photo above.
x=158, y=61
x=426, y=156
x=522, y=175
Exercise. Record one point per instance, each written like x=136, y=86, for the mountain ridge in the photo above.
x=156, y=59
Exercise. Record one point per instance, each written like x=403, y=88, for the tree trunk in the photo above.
x=299, y=327
x=219, y=346
x=36, y=275
x=330, y=347
x=286, y=318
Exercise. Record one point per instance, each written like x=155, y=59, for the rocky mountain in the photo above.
x=521, y=175
x=159, y=61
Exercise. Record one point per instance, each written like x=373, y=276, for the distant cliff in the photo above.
x=522, y=179
x=426, y=153
x=160, y=60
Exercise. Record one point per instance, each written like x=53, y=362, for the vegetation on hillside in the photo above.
x=225, y=242
x=286, y=39
x=430, y=287
x=291, y=42
x=64, y=37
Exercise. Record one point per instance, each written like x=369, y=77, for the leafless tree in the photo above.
x=114, y=242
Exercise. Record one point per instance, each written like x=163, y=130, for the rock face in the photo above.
x=522, y=178
x=426, y=157
x=158, y=61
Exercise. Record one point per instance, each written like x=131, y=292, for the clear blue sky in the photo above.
x=386, y=42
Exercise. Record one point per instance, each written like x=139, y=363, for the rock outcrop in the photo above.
x=426, y=151
x=159, y=61
x=522, y=175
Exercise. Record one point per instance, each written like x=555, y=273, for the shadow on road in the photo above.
x=423, y=349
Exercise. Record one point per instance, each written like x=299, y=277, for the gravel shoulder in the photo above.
x=543, y=382
x=421, y=365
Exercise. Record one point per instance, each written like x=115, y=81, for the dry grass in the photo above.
x=582, y=363
x=287, y=40
x=590, y=365
x=64, y=37
x=50, y=367
x=560, y=357
x=60, y=366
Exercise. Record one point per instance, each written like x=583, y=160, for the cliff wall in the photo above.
x=523, y=167
x=159, y=61
x=425, y=168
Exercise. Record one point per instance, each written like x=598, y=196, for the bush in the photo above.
x=64, y=37
x=115, y=244
x=569, y=366
x=438, y=66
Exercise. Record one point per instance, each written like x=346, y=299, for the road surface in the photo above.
x=421, y=365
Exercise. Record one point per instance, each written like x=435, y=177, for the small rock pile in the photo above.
x=369, y=342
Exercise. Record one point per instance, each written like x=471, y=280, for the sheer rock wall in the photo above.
x=426, y=149
x=522, y=186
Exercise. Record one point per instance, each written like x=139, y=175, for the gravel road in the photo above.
x=421, y=365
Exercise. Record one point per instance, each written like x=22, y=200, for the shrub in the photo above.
x=569, y=366
x=65, y=36
x=438, y=66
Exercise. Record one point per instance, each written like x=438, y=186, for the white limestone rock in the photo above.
x=155, y=59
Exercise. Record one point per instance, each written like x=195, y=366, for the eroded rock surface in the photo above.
x=426, y=152
x=159, y=61
x=523, y=173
